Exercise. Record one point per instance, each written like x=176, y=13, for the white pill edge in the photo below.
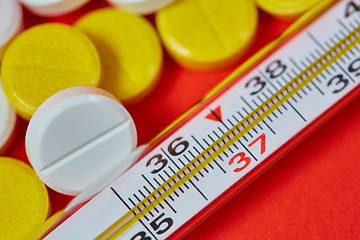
x=143, y=7
x=53, y=8
x=7, y=118
x=15, y=10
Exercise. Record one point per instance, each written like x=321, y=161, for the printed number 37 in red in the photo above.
x=241, y=160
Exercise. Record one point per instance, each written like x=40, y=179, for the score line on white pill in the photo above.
x=78, y=135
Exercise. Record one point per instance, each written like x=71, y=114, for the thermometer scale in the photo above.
x=237, y=132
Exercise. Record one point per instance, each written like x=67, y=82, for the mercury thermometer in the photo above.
x=240, y=129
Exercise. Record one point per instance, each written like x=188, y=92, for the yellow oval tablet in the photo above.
x=286, y=9
x=129, y=49
x=207, y=34
x=44, y=60
x=24, y=202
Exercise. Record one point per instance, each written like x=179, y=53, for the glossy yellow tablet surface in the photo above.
x=129, y=49
x=286, y=9
x=207, y=34
x=24, y=202
x=46, y=59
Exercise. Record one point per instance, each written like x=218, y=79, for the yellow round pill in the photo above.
x=207, y=34
x=129, y=49
x=286, y=9
x=24, y=202
x=44, y=60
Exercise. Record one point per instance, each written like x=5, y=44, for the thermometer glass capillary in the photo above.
x=238, y=131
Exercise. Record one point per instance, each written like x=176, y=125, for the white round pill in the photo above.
x=78, y=135
x=7, y=120
x=140, y=6
x=52, y=8
x=10, y=21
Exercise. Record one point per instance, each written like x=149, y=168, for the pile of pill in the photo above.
x=73, y=83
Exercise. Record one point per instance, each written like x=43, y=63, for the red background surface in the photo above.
x=313, y=192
